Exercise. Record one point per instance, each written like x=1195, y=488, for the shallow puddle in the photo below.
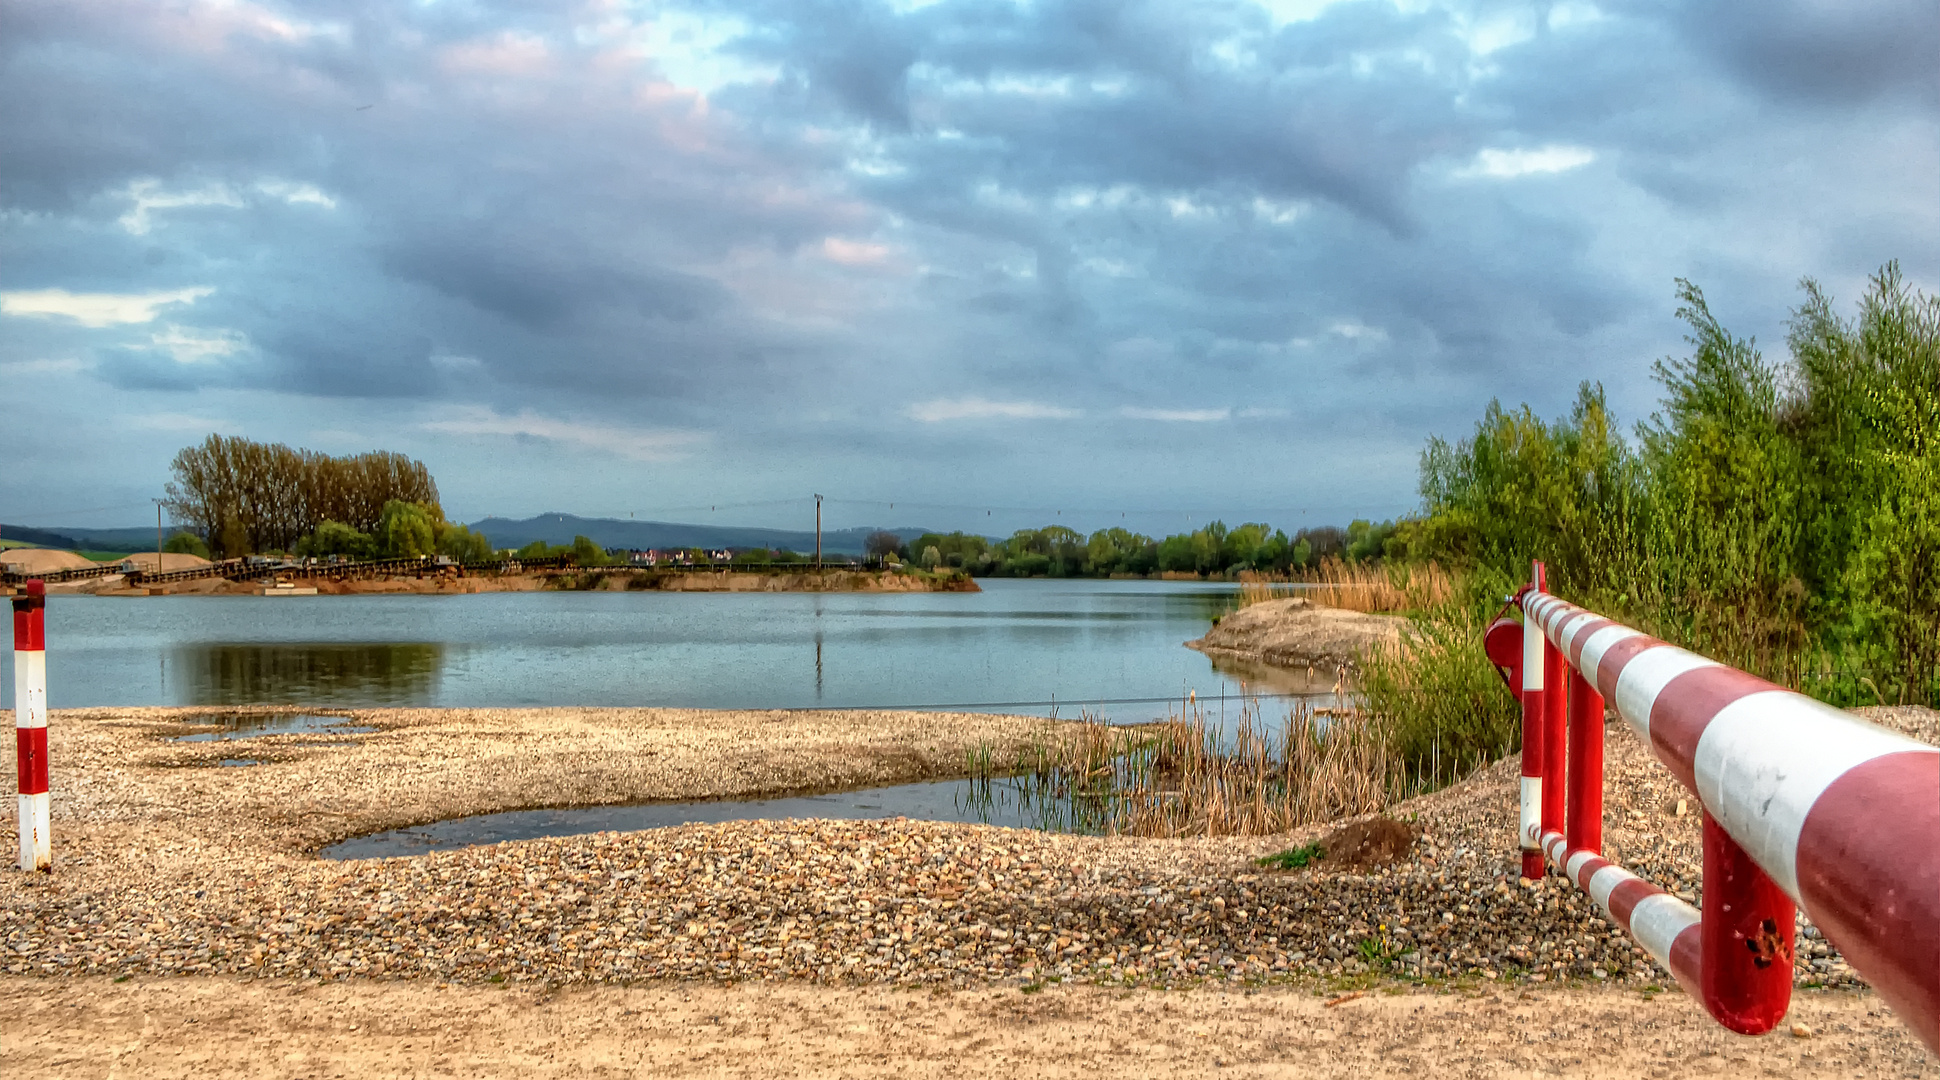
x=256, y=725
x=996, y=802
x=238, y=762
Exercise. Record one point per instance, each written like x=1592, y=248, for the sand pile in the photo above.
x=42, y=560
x=171, y=561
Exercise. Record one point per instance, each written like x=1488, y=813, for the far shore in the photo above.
x=594, y=579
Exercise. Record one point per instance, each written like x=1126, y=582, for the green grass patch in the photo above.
x=1294, y=858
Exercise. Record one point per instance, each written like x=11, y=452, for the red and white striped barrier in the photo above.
x=30, y=723
x=1803, y=803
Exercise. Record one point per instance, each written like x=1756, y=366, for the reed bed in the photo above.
x=1370, y=587
x=1190, y=775
x=1378, y=588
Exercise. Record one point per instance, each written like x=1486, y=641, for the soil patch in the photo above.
x=1378, y=841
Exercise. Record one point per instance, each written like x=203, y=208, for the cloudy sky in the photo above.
x=1141, y=263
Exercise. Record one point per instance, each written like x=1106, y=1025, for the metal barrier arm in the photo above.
x=1803, y=803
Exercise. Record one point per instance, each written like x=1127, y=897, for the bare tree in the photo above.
x=881, y=544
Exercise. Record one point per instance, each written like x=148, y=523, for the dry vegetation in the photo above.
x=1190, y=775
x=1370, y=587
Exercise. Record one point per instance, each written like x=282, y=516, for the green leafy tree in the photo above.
x=186, y=543
x=337, y=538
x=587, y=553
x=1868, y=409
x=407, y=530
x=459, y=544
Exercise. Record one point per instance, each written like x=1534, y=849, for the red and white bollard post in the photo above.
x=1534, y=663
x=1583, y=817
x=30, y=723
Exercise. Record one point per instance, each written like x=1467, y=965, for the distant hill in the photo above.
x=135, y=539
x=617, y=533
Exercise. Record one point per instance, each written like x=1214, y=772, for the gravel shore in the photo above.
x=167, y=865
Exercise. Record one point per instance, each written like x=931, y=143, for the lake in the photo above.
x=1112, y=646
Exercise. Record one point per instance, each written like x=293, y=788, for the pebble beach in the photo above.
x=169, y=864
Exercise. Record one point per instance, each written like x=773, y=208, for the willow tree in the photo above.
x=246, y=496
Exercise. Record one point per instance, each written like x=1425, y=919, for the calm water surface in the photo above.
x=1016, y=646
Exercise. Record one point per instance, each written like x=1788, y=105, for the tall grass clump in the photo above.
x=1189, y=775
x=1379, y=587
x=1441, y=706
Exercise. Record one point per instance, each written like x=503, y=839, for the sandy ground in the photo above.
x=168, y=863
x=221, y=1027
x=1297, y=633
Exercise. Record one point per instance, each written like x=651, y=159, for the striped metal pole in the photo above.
x=1556, y=687
x=30, y=723
x=1583, y=818
x=1837, y=815
x=1534, y=648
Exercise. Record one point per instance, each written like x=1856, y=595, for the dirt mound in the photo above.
x=171, y=561
x=1299, y=633
x=42, y=560
x=1380, y=841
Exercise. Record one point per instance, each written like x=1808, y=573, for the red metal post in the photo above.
x=1583, y=817
x=1534, y=663
x=1555, y=737
x=1749, y=926
x=30, y=723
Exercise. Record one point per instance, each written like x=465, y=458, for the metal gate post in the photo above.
x=1749, y=925
x=1534, y=661
x=1583, y=820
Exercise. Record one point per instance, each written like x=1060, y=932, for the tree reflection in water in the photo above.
x=405, y=673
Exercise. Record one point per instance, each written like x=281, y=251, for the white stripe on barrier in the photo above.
x=1765, y=759
x=1576, y=860
x=1532, y=811
x=36, y=849
x=1657, y=920
x=1605, y=881
x=1547, y=609
x=1558, y=615
x=1566, y=633
x=1645, y=676
x=1532, y=655
x=30, y=688
x=1598, y=644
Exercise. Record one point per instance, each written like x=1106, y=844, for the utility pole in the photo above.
x=818, y=532
x=158, y=536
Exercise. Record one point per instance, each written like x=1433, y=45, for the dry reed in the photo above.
x=1377, y=588
x=1188, y=776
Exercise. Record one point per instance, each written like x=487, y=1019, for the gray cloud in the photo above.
x=1063, y=225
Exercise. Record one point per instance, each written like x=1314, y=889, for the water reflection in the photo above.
x=320, y=673
x=1079, y=643
x=947, y=800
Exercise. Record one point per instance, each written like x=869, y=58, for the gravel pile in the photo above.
x=893, y=901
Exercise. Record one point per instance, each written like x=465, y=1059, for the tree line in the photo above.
x=242, y=497
x=1214, y=550
x=1783, y=517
